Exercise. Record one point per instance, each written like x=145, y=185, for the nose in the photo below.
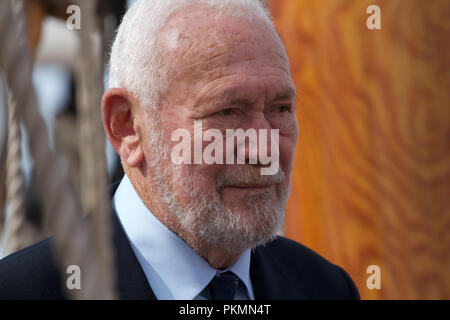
x=260, y=144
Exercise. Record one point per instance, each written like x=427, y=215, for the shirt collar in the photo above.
x=173, y=268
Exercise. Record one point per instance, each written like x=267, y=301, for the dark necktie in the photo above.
x=223, y=286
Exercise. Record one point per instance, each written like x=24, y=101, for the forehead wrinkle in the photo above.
x=231, y=95
x=222, y=66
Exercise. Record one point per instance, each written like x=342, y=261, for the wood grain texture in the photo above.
x=371, y=183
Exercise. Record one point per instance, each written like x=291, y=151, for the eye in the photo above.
x=283, y=108
x=226, y=112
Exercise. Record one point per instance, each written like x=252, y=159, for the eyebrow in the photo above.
x=285, y=94
x=231, y=96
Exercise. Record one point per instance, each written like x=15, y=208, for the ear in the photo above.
x=119, y=110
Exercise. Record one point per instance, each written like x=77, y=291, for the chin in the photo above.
x=252, y=226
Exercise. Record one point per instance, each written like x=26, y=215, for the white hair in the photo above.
x=135, y=63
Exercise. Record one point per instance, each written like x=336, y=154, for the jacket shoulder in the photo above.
x=31, y=273
x=302, y=265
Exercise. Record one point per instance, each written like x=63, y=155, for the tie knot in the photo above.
x=223, y=286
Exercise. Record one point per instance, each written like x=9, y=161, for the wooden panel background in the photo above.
x=371, y=183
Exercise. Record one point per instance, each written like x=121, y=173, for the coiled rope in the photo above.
x=75, y=242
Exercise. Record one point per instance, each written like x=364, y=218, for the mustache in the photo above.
x=248, y=176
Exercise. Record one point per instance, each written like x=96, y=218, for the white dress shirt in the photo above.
x=173, y=269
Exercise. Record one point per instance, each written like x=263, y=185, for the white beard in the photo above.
x=205, y=217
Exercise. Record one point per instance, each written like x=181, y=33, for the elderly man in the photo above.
x=205, y=229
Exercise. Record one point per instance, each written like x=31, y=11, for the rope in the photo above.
x=94, y=176
x=19, y=233
x=72, y=239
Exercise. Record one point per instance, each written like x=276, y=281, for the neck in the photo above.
x=219, y=258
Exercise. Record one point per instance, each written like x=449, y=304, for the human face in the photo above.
x=229, y=74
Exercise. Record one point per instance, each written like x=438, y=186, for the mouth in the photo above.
x=246, y=182
x=250, y=186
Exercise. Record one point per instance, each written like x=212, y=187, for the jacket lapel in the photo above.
x=270, y=280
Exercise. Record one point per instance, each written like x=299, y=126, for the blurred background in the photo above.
x=371, y=182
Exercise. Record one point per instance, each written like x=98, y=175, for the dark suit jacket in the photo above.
x=283, y=269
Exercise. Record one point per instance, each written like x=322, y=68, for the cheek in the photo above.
x=287, y=148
